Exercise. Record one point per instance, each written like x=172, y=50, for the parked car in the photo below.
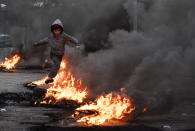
x=5, y=41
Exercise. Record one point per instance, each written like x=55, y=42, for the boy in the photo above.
x=56, y=40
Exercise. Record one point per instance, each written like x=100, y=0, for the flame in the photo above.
x=65, y=86
x=38, y=83
x=10, y=63
x=144, y=110
x=105, y=109
x=113, y=106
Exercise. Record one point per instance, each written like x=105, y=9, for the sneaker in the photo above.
x=49, y=80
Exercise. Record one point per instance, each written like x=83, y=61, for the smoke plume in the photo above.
x=145, y=46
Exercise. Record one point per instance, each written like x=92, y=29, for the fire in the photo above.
x=105, y=109
x=10, y=63
x=113, y=106
x=38, y=83
x=65, y=86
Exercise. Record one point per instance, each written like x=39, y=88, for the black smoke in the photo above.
x=154, y=62
x=145, y=46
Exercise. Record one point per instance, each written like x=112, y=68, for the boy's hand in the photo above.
x=78, y=46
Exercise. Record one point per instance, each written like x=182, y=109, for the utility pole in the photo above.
x=135, y=15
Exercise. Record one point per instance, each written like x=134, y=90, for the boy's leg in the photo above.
x=55, y=67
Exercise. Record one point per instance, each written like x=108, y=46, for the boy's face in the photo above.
x=57, y=32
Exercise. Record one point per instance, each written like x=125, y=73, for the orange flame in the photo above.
x=10, y=63
x=105, y=109
x=39, y=82
x=65, y=86
x=113, y=106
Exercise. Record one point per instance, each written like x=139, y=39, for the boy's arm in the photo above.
x=73, y=40
x=42, y=42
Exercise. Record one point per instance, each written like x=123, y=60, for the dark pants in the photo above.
x=56, y=64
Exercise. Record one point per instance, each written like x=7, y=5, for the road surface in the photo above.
x=19, y=114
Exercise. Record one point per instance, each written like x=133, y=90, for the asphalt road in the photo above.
x=18, y=114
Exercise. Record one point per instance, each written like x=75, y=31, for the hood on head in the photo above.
x=57, y=23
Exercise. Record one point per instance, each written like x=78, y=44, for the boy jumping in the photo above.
x=56, y=40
